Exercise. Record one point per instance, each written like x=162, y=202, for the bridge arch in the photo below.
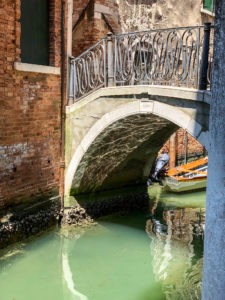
x=153, y=111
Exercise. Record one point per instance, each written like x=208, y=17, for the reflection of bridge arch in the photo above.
x=150, y=111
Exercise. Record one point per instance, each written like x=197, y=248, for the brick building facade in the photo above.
x=93, y=19
x=30, y=101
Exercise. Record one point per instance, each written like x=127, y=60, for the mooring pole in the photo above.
x=172, y=151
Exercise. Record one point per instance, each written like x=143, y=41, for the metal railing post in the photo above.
x=71, y=89
x=204, y=60
x=110, y=59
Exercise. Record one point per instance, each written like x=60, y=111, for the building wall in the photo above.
x=175, y=146
x=121, y=16
x=92, y=19
x=137, y=15
x=29, y=114
x=95, y=20
x=89, y=30
x=193, y=146
x=78, y=7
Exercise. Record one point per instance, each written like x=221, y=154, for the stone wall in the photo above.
x=29, y=114
x=84, y=208
x=26, y=220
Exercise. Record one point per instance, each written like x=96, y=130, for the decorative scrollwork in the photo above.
x=88, y=71
x=164, y=57
x=170, y=56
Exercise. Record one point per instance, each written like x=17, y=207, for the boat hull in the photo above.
x=173, y=185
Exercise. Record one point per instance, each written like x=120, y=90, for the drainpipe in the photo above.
x=62, y=108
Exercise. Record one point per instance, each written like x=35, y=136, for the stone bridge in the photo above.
x=128, y=94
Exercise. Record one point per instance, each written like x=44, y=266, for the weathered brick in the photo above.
x=29, y=115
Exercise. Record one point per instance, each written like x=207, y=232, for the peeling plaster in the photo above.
x=152, y=14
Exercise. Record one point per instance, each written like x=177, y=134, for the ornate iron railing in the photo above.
x=158, y=57
x=88, y=71
x=175, y=56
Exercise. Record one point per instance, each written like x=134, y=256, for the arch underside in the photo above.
x=122, y=154
x=120, y=148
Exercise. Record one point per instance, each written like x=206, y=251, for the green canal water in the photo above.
x=140, y=256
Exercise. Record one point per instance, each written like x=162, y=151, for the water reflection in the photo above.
x=68, y=275
x=176, y=249
x=115, y=259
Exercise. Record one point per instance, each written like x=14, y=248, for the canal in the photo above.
x=154, y=255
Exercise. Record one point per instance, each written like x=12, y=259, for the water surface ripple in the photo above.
x=140, y=256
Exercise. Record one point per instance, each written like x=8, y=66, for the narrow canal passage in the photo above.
x=141, y=256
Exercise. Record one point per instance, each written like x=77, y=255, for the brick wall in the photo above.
x=93, y=21
x=193, y=146
x=29, y=115
x=194, y=149
x=78, y=7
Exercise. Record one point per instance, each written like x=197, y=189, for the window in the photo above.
x=34, y=39
x=208, y=5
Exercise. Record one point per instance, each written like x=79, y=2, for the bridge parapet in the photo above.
x=171, y=57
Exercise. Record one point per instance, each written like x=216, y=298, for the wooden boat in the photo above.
x=187, y=177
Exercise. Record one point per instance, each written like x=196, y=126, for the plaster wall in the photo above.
x=137, y=15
